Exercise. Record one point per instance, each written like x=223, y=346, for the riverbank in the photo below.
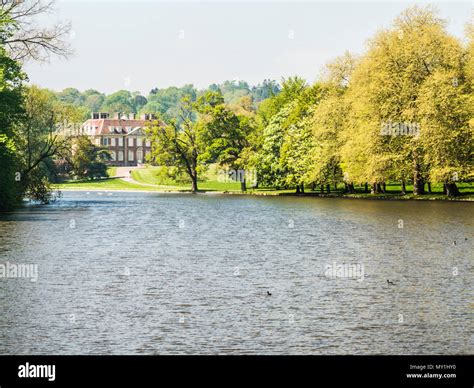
x=149, y=179
x=119, y=185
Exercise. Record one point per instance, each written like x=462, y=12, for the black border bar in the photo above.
x=320, y=371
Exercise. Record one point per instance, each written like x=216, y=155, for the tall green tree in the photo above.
x=447, y=139
x=11, y=110
x=85, y=159
x=298, y=140
x=386, y=87
x=40, y=137
x=179, y=142
x=226, y=134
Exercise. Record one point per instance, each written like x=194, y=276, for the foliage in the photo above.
x=86, y=160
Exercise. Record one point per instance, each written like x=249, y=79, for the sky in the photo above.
x=140, y=45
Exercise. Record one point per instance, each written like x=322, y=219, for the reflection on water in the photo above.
x=148, y=273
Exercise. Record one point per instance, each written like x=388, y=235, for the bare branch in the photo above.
x=30, y=41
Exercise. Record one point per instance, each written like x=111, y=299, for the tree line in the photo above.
x=164, y=101
x=400, y=112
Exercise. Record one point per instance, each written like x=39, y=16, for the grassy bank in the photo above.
x=149, y=179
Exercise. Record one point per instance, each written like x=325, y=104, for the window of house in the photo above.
x=130, y=141
x=112, y=155
x=139, y=156
x=97, y=142
x=130, y=156
x=148, y=143
x=120, y=141
x=120, y=156
x=112, y=141
x=139, y=141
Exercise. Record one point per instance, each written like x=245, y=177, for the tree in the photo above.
x=385, y=88
x=447, y=139
x=11, y=110
x=87, y=160
x=328, y=121
x=21, y=39
x=178, y=142
x=225, y=134
x=10, y=193
x=270, y=171
x=138, y=101
x=267, y=89
x=275, y=117
x=298, y=140
x=166, y=102
x=93, y=101
x=295, y=155
x=28, y=41
x=120, y=101
x=71, y=96
x=38, y=138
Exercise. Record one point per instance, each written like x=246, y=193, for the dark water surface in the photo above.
x=147, y=273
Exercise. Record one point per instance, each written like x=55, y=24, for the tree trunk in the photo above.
x=350, y=188
x=243, y=185
x=452, y=190
x=335, y=186
x=376, y=188
x=366, y=187
x=313, y=186
x=297, y=189
x=328, y=188
x=384, y=188
x=404, y=188
x=445, y=192
x=429, y=187
x=322, y=188
x=194, y=186
x=418, y=184
x=302, y=188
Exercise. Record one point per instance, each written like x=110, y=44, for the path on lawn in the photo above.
x=124, y=173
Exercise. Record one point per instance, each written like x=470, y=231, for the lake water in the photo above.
x=148, y=273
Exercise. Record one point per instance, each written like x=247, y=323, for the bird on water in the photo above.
x=269, y=293
x=390, y=282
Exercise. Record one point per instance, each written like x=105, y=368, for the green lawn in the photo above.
x=102, y=184
x=151, y=176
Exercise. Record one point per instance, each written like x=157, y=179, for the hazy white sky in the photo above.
x=140, y=45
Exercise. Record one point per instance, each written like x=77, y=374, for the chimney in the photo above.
x=131, y=116
x=152, y=116
x=116, y=115
x=103, y=115
x=94, y=115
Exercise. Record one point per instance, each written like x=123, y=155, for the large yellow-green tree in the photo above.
x=390, y=85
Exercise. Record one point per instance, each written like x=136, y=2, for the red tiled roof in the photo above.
x=101, y=126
